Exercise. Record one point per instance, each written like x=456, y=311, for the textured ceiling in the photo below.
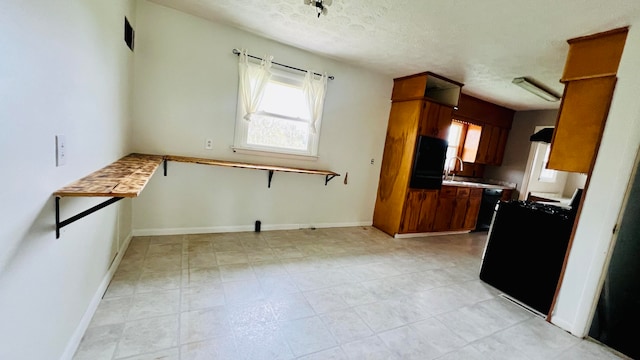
x=483, y=44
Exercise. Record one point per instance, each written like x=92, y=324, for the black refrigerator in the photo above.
x=617, y=315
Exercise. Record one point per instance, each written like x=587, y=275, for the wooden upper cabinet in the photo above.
x=487, y=132
x=435, y=120
x=485, y=144
x=482, y=156
x=427, y=85
x=594, y=55
x=502, y=144
x=482, y=112
x=581, y=120
x=409, y=87
x=590, y=78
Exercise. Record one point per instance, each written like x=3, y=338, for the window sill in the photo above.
x=247, y=151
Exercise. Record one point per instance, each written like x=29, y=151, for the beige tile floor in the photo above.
x=348, y=293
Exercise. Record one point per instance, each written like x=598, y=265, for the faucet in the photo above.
x=449, y=169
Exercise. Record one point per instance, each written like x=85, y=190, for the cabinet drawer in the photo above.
x=463, y=192
x=448, y=191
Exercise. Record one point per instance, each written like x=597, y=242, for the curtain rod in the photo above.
x=237, y=52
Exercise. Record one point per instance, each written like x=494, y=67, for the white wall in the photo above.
x=604, y=196
x=574, y=181
x=186, y=88
x=64, y=69
x=514, y=163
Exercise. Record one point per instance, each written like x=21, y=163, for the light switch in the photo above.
x=61, y=150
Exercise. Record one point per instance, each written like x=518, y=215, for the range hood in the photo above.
x=544, y=135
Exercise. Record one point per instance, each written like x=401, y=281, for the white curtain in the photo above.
x=253, y=80
x=315, y=88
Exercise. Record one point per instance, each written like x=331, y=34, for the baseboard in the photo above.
x=565, y=325
x=242, y=228
x=74, y=341
x=440, y=233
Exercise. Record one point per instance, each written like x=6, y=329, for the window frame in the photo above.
x=546, y=175
x=240, y=144
x=461, y=141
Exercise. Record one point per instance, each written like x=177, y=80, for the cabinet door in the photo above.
x=492, y=151
x=443, y=122
x=460, y=209
x=435, y=120
x=428, y=210
x=473, y=209
x=583, y=112
x=411, y=216
x=444, y=211
x=482, y=155
x=502, y=144
x=491, y=145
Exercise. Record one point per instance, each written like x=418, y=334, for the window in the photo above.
x=283, y=122
x=546, y=175
x=455, y=138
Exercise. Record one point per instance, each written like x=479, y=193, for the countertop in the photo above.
x=477, y=184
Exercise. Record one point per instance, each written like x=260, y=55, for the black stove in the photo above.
x=525, y=251
x=547, y=208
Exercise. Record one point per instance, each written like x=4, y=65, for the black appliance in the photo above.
x=525, y=251
x=490, y=198
x=428, y=163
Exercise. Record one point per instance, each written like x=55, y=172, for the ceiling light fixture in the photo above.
x=320, y=5
x=535, y=89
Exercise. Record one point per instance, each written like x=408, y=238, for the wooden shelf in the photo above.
x=123, y=178
x=243, y=165
x=127, y=177
x=270, y=168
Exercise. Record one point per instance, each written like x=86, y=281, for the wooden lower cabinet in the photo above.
x=419, y=211
x=473, y=208
x=452, y=208
x=444, y=211
x=460, y=206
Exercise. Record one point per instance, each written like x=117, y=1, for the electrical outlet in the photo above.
x=372, y=161
x=208, y=144
x=61, y=150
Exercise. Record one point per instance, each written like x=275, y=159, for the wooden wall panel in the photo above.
x=397, y=160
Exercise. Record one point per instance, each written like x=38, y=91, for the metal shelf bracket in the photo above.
x=328, y=178
x=270, y=177
x=61, y=224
